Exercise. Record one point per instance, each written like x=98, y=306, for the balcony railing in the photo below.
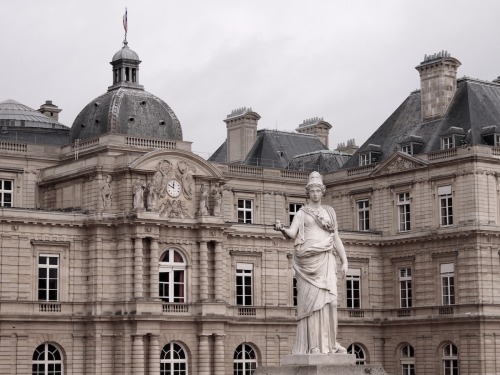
x=246, y=311
x=175, y=308
x=49, y=307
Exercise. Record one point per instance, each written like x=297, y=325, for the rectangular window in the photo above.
x=245, y=211
x=407, y=149
x=445, y=206
x=408, y=369
x=353, y=288
x=404, y=212
x=244, y=284
x=293, y=208
x=6, y=193
x=448, y=283
x=363, y=215
x=446, y=143
x=48, y=278
x=364, y=159
x=405, y=288
x=497, y=140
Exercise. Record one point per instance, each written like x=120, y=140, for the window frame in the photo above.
x=405, y=284
x=291, y=213
x=451, y=361
x=407, y=360
x=359, y=352
x=173, y=361
x=447, y=142
x=353, y=275
x=4, y=191
x=245, y=210
x=46, y=362
x=407, y=148
x=253, y=363
x=172, y=268
x=445, y=201
x=448, y=289
x=47, y=278
x=363, y=214
x=364, y=159
x=248, y=271
x=404, y=211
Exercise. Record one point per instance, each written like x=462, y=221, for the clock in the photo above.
x=174, y=188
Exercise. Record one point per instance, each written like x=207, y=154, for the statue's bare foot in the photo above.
x=315, y=351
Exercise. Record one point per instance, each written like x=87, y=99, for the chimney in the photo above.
x=316, y=126
x=50, y=110
x=241, y=127
x=438, y=83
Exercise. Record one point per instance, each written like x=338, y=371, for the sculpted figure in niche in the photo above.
x=185, y=174
x=314, y=229
x=217, y=193
x=203, y=200
x=106, y=193
x=152, y=197
x=138, y=191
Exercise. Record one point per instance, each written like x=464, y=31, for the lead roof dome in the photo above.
x=126, y=108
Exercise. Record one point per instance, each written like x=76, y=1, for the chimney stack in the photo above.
x=316, y=126
x=50, y=110
x=241, y=127
x=438, y=83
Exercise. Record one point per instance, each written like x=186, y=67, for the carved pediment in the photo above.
x=399, y=162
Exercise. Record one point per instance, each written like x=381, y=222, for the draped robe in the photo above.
x=316, y=269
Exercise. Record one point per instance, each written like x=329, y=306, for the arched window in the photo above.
x=407, y=358
x=47, y=360
x=360, y=353
x=450, y=360
x=172, y=277
x=245, y=360
x=173, y=360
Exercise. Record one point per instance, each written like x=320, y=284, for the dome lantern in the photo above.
x=125, y=68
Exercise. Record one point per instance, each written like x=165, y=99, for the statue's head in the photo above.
x=315, y=180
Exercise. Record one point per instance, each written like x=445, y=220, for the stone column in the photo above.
x=203, y=355
x=138, y=355
x=203, y=271
x=219, y=364
x=154, y=278
x=218, y=274
x=154, y=355
x=138, y=292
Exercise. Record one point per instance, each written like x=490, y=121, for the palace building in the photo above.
x=123, y=252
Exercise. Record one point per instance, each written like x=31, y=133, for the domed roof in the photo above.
x=127, y=111
x=20, y=123
x=127, y=108
x=125, y=53
x=12, y=110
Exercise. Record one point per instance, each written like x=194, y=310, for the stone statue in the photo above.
x=314, y=229
x=217, y=193
x=106, y=193
x=152, y=197
x=138, y=191
x=203, y=200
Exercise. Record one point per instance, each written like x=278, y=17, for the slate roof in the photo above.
x=20, y=123
x=475, y=105
x=274, y=149
x=322, y=161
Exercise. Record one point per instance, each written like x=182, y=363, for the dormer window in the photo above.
x=491, y=135
x=364, y=159
x=447, y=143
x=407, y=149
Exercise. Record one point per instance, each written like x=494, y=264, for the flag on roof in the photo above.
x=125, y=21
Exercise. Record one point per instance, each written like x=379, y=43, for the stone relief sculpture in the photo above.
x=217, y=193
x=138, y=192
x=152, y=197
x=315, y=231
x=203, y=200
x=185, y=173
x=106, y=193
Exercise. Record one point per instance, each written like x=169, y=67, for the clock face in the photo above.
x=174, y=188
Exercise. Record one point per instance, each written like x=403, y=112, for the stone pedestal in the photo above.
x=320, y=364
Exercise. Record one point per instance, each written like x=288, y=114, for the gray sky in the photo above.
x=348, y=61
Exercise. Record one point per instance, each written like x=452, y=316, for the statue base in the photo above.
x=320, y=364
